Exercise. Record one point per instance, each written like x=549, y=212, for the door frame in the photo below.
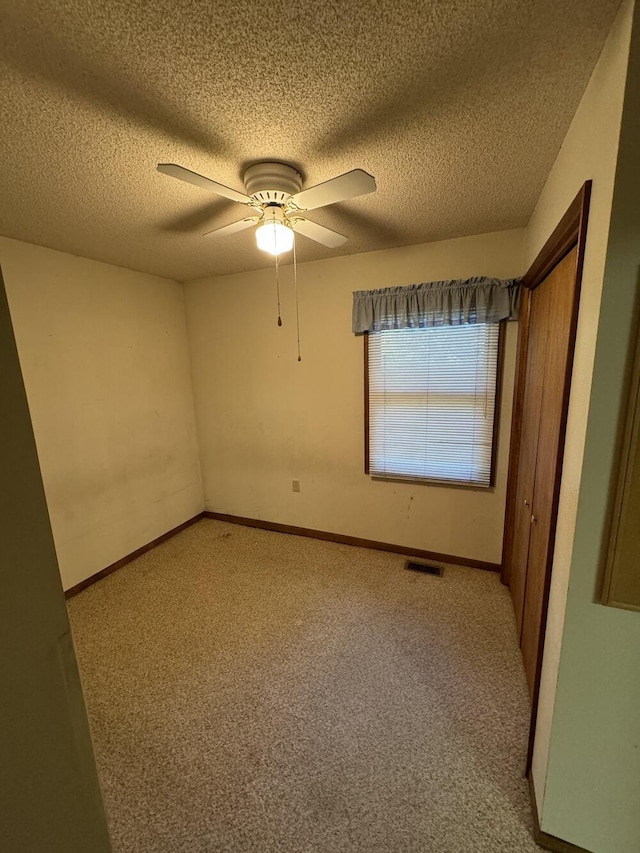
x=571, y=231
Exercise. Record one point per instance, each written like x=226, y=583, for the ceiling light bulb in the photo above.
x=274, y=237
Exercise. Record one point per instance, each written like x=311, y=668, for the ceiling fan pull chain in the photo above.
x=278, y=288
x=295, y=287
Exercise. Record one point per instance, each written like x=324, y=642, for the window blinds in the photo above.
x=432, y=400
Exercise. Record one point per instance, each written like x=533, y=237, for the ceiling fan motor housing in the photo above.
x=272, y=183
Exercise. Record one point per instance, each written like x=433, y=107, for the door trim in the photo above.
x=571, y=231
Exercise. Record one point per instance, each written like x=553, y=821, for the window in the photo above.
x=431, y=402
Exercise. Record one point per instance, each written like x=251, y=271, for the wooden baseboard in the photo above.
x=549, y=842
x=124, y=560
x=352, y=540
x=282, y=528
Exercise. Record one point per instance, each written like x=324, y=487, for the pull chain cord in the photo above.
x=278, y=288
x=295, y=285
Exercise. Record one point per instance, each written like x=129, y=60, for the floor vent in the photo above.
x=425, y=568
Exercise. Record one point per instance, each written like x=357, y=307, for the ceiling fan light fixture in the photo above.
x=274, y=238
x=274, y=235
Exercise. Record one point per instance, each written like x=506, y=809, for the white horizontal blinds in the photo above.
x=432, y=396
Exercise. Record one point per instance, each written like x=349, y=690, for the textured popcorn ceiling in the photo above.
x=457, y=107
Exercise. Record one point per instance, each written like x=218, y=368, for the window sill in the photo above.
x=425, y=481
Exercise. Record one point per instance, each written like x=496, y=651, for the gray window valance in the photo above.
x=436, y=303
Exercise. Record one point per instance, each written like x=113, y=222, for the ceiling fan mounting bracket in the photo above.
x=272, y=183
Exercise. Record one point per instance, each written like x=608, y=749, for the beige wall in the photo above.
x=49, y=793
x=105, y=362
x=586, y=762
x=265, y=419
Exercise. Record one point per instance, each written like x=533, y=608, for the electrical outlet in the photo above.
x=296, y=485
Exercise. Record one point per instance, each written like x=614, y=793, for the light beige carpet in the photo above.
x=253, y=691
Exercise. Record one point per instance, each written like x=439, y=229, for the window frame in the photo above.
x=428, y=481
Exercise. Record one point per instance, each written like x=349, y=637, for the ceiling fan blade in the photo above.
x=318, y=233
x=190, y=177
x=349, y=185
x=234, y=227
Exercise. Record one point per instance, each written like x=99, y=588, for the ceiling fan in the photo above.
x=273, y=192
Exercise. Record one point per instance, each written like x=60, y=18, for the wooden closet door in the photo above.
x=534, y=381
x=558, y=291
